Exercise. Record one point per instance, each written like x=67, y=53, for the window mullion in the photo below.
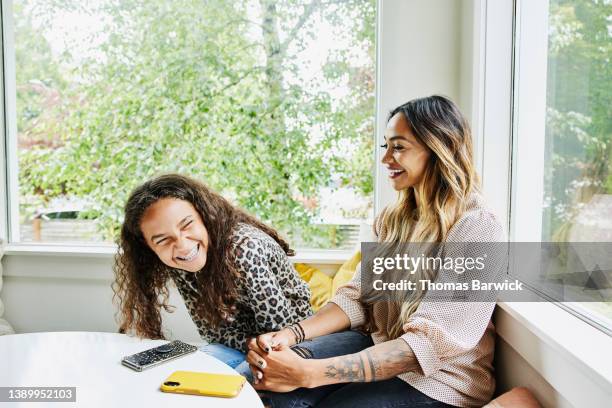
x=9, y=158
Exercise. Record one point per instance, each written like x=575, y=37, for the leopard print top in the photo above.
x=271, y=295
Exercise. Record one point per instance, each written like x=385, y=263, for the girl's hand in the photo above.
x=282, y=370
x=268, y=342
x=272, y=341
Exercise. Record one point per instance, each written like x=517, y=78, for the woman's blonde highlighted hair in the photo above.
x=426, y=212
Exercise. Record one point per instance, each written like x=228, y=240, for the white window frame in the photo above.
x=416, y=58
x=3, y=148
x=10, y=180
x=569, y=353
x=529, y=120
x=529, y=137
x=9, y=188
x=496, y=105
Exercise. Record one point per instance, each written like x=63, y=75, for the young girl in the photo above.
x=231, y=270
x=419, y=352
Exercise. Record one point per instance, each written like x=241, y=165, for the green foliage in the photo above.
x=579, y=124
x=39, y=83
x=184, y=86
x=578, y=160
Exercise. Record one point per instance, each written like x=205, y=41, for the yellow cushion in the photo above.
x=320, y=284
x=346, y=272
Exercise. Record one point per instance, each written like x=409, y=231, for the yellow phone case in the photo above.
x=213, y=385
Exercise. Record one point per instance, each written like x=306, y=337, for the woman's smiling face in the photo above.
x=405, y=156
x=174, y=230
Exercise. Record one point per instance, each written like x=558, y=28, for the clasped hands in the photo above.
x=275, y=366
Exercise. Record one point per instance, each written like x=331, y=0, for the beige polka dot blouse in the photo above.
x=452, y=341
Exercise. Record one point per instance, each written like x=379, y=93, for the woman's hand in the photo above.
x=282, y=369
x=272, y=340
x=268, y=342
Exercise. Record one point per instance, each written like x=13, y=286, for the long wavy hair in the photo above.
x=140, y=286
x=426, y=212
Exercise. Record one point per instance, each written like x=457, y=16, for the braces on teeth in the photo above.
x=191, y=254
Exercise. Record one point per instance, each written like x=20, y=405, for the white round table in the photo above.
x=91, y=362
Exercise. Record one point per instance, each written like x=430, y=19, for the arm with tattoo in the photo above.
x=380, y=362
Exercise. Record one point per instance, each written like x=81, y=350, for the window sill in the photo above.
x=311, y=256
x=571, y=355
x=87, y=251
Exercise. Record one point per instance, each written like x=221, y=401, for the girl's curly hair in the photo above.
x=140, y=286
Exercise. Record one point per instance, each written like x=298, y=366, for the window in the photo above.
x=271, y=103
x=562, y=153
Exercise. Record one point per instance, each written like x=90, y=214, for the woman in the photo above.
x=231, y=270
x=419, y=352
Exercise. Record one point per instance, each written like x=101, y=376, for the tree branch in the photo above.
x=310, y=8
x=245, y=21
x=308, y=11
x=236, y=81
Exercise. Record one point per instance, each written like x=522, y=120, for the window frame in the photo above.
x=10, y=123
x=529, y=119
x=562, y=346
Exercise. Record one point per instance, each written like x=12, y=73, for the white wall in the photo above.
x=425, y=48
x=420, y=49
x=72, y=293
x=514, y=371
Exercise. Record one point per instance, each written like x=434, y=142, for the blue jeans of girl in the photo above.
x=232, y=357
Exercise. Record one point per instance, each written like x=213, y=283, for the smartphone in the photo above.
x=158, y=355
x=212, y=385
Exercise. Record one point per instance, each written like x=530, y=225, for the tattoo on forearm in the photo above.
x=377, y=363
x=396, y=362
x=348, y=368
x=390, y=359
x=372, y=366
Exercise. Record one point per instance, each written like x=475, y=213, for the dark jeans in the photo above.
x=380, y=394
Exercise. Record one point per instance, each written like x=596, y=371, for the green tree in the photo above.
x=579, y=124
x=187, y=86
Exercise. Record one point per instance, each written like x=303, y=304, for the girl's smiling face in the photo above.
x=406, y=157
x=174, y=230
